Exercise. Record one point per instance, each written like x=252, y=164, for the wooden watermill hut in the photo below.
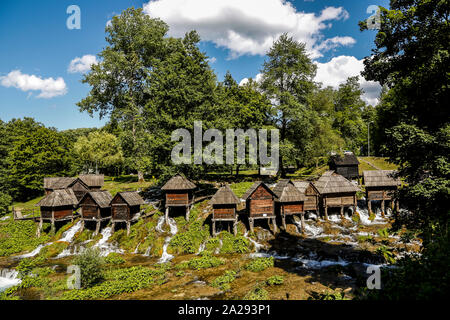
x=59, y=183
x=224, y=204
x=289, y=201
x=124, y=208
x=380, y=185
x=95, y=206
x=179, y=192
x=94, y=181
x=260, y=204
x=336, y=191
x=59, y=205
x=346, y=165
x=311, y=194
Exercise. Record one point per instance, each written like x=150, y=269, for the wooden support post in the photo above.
x=128, y=227
x=397, y=204
x=113, y=227
x=97, y=228
x=274, y=222
x=39, y=229
x=214, y=228
x=342, y=212
x=369, y=206
x=284, y=221
x=82, y=224
x=326, y=212
x=166, y=216
x=382, y=208
x=188, y=211
x=235, y=227
x=302, y=218
x=250, y=220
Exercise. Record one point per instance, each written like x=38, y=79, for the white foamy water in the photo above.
x=201, y=248
x=160, y=225
x=311, y=230
x=8, y=279
x=258, y=246
x=104, y=246
x=166, y=257
x=69, y=234
x=364, y=217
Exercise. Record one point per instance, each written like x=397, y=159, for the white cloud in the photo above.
x=251, y=26
x=48, y=88
x=338, y=69
x=257, y=78
x=212, y=60
x=83, y=64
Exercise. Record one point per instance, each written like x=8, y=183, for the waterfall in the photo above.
x=69, y=234
x=258, y=246
x=166, y=257
x=160, y=225
x=310, y=230
x=103, y=245
x=8, y=279
x=201, y=248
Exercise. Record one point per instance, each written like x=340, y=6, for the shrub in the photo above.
x=260, y=264
x=90, y=264
x=275, y=281
x=19, y=236
x=223, y=281
x=234, y=244
x=114, y=258
x=257, y=293
x=190, y=240
x=204, y=262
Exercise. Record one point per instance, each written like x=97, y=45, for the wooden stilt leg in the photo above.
x=214, y=228
x=302, y=217
x=53, y=226
x=235, y=228
x=39, y=229
x=82, y=224
x=274, y=222
x=382, y=208
x=251, y=225
x=326, y=213
x=342, y=212
x=97, y=228
x=128, y=228
x=188, y=211
x=369, y=205
x=166, y=216
x=113, y=227
x=284, y=222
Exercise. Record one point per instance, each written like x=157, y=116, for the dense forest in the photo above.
x=148, y=84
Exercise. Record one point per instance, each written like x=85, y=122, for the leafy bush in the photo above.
x=234, y=244
x=204, y=262
x=90, y=263
x=114, y=258
x=386, y=253
x=260, y=264
x=19, y=236
x=257, y=293
x=275, y=281
x=190, y=240
x=384, y=233
x=223, y=282
x=119, y=281
x=53, y=250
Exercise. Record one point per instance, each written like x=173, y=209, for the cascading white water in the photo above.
x=201, y=248
x=166, y=257
x=104, y=246
x=69, y=234
x=258, y=246
x=8, y=279
x=310, y=230
x=159, y=226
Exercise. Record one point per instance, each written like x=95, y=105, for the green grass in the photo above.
x=126, y=183
x=240, y=188
x=379, y=162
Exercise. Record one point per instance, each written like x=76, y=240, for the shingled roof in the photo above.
x=59, y=198
x=380, y=178
x=93, y=180
x=132, y=198
x=254, y=187
x=101, y=198
x=179, y=182
x=334, y=183
x=349, y=159
x=287, y=192
x=224, y=196
x=55, y=183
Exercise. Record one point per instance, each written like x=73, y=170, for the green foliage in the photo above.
x=337, y=295
x=257, y=293
x=260, y=264
x=223, y=282
x=275, y=281
x=114, y=258
x=190, y=240
x=384, y=233
x=90, y=263
x=203, y=262
x=119, y=281
x=19, y=236
x=386, y=253
x=27, y=282
x=234, y=244
x=25, y=266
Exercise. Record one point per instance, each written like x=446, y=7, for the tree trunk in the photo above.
x=140, y=176
x=237, y=169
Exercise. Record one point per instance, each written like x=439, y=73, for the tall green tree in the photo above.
x=135, y=44
x=288, y=75
x=5, y=198
x=99, y=150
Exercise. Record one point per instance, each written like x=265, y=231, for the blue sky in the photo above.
x=38, y=48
